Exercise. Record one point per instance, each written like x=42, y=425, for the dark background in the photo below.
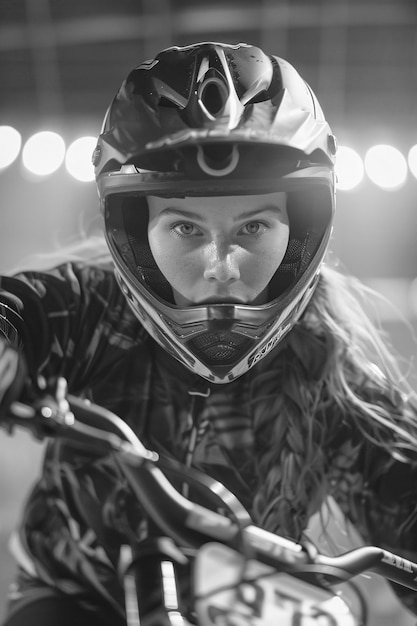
x=62, y=61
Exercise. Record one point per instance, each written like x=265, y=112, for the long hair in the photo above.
x=88, y=249
x=335, y=379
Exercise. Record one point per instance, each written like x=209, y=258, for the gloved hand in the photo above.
x=13, y=372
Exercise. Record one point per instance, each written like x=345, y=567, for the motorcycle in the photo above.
x=207, y=564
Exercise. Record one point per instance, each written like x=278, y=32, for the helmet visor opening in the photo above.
x=310, y=216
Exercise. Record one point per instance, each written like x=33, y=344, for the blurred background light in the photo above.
x=10, y=144
x=386, y=166
x=43, y=153
x=78, y=158
x=412, y=160
x=349, y=168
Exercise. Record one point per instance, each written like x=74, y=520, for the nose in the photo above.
x=221, y=263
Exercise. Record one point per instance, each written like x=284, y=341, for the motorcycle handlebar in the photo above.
x=101, y=431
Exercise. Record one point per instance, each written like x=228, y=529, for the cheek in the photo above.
x=177, y=273
x=161, y=250
x=270, y=256
x=260, y=271
x=170, y=260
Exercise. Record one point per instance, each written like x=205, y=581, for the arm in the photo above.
x=66, y=321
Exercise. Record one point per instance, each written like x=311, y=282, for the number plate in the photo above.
x=232, y=591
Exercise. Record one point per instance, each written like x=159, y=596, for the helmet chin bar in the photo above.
x=239, y=324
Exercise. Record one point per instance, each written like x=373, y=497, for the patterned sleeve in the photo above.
x=10, y=318
x=69, y=321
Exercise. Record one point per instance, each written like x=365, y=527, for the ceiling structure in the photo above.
x=66, y=59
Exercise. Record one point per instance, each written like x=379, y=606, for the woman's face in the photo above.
x=219, y=249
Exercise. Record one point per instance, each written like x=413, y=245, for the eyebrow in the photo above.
x=272, y=208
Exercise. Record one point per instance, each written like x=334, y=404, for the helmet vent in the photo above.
x=219, y=348
x=214, y=163
x=212, y=97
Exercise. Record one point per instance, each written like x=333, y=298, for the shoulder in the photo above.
x=75, y=293
x=68, y=280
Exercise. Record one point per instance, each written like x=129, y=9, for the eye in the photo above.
x=184, y=229
x=254, y=228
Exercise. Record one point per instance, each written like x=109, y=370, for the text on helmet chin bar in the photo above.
x=269, y=345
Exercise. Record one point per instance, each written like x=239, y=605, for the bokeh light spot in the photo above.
x=10, y=144
x=386, y=166
x=349, y=168
x=78, y=158
x=412, y=160
x=43, y=153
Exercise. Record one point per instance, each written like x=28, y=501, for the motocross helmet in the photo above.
x=215, y=119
